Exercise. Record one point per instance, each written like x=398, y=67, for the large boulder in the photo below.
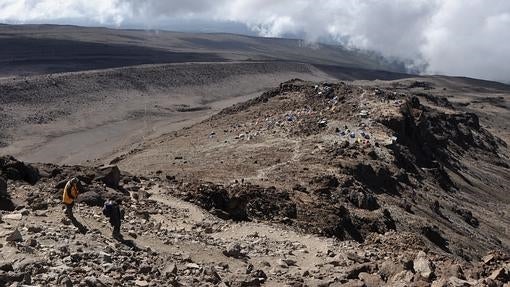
x=17, y=170
x=109, y=175
x=242, y=202
x=500, y=274
x=371, y=280
x=10, y=277
x=12, y=173
x=115, y=195
x=31, y=174
x=91, y=198
x=388, y=269
x=422, y=266
x=98, y=195
x=170, y=270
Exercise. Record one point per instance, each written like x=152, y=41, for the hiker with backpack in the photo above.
x=115, y=215
x=70, y=194
x=71, y=191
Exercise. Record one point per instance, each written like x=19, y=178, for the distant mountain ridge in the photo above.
x=42, y=49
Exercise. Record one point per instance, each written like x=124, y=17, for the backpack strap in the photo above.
x=68, y=190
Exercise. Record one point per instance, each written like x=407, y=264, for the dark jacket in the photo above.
x=113, y=212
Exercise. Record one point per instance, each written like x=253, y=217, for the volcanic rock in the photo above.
x=17, y=170
x=91, y=198
x=6, y=266
x=14, y=236
x=109, y=175
x=234, y=250
x=170, y=270
x=423, y=266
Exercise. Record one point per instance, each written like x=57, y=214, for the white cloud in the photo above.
x=22, y=11
x=470, y=38
x=456, y=37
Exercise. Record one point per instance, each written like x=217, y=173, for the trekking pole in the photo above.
x=84, y=221
x=86, y=224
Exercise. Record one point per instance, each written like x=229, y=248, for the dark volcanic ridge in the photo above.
x=344, y=160
x=43, y=49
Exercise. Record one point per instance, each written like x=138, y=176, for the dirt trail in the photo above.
x=233, y=232
x=180, y=218
x=262, y=173
x=194, y=213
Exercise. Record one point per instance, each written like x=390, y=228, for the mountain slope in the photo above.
x=40, y=49
x=346, y=161
x=276, y=191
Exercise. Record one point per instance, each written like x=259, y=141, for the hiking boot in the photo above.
x=117, y=235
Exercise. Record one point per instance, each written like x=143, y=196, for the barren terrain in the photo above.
x=281, y=191
x=242, y=161
x=73, y=117
x=297, y=140
x=53, y=111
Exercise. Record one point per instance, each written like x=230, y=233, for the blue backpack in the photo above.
x=108, y=209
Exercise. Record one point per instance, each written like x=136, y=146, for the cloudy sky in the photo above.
x=454, y=37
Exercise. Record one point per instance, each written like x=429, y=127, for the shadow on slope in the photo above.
x=23, y=55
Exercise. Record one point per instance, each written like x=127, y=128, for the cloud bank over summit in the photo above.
x=454, y=37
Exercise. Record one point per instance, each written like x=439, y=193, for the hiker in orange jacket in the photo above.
x=71, y=191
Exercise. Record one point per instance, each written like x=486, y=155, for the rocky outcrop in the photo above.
x=240, y=249
x=379, y=178
x=17, y=170
x=91, y=198
x=432, y=140
x=109, y=175
x=423, y=267
x=242, y=202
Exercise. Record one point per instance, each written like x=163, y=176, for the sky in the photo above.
x=453, y=37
